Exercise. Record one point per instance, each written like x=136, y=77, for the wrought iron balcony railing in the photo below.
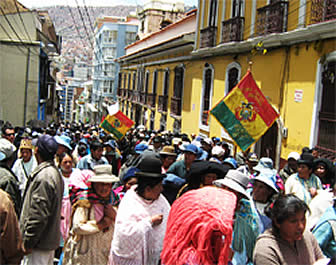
x=208, y=37
x=136, y=97
x=272, y=18
x=176, y=106
x=163, y=103
x=151, y=100
x=233, y=29
x=322, y=10
x=143, y=98
x=130, y=94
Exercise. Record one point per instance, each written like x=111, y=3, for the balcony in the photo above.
x=176, y=106
x=130, y=94
x=163, y=103
x=151, y=98
x=272, y=18
x=124, y=93
x=322, y=10
x=233, y=29
x=136, y=97
x=208, y=37
x=143, y=97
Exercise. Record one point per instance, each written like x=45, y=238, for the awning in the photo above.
x=91, y=107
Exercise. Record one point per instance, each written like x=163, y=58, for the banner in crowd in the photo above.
x=245, y=113
x=117, y=124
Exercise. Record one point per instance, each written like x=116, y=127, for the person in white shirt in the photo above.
x=25, y=164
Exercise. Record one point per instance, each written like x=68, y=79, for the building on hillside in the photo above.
x=291, y=45
x=156, y=14
x=112, y=35
x=82, y=71
x=28, y=43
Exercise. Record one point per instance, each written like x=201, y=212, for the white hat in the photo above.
x=103, y=173
x=294, y=155
x=6, y=148
x=217, y=151
x=235, y=180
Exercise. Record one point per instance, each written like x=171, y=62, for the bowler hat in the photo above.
x=150, y=166
x=103, y=173
x=235, y=180
x=307, y=159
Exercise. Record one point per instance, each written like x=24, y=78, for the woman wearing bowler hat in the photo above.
x=142, y=217
x=305, y=183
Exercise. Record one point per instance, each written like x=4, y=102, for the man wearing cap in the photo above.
x=291, y=166
x=41, y=211
x=24, y=165
x=8, y=180
x=181, y=167
x=93, y=159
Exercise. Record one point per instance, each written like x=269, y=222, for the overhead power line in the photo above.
x=85, y=28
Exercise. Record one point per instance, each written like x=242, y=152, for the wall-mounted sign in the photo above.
x=298, y=95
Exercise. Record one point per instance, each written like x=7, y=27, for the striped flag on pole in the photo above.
x=245, y=113
x=117, y=124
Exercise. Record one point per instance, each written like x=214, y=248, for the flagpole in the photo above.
x=250, y=66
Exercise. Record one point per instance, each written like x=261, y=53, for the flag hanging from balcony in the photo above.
x=245, y=113
x=117, y=124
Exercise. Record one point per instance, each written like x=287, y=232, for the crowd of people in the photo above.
x=74, y=194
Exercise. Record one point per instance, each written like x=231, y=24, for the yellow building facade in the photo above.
x=290, y=47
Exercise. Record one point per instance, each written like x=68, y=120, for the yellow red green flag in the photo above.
x=245, y=113
x=117, y=124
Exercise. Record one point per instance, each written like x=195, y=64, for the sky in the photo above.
x=44, y=3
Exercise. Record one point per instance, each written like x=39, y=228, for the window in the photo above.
x=110, y=36
x=237, y=8
x=134, y=81
x=110, y=52
x=176, y=101
x=213, y=13
x=130, y=37
x=129, y=81
x=166, y=83
x=154, y=82
x=326, y=141
x=206, y=93
x=232, y=77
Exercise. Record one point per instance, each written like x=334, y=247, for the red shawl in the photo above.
x=199, y=229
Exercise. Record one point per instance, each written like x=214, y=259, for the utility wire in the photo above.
x=24, y=26
x=85, y=28
x=75, y=24
x=13, y=29
x=9, y=36
x=88, y=15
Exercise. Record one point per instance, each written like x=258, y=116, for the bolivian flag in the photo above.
x=117, y=124
x=245, y=113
